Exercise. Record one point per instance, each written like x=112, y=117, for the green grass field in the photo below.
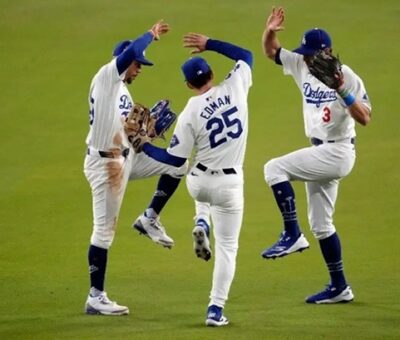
x=49, y=51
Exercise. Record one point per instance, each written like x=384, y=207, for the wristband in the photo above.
x=347, y=97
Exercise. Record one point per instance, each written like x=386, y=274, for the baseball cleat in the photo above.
x=153, y=229
x=103, y=305
x=201, y=242
x=286, y=245
x=332, y=294
x=215, y=318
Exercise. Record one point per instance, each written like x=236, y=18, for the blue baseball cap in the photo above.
x=139, y=52
x=194, y=67
x=314, y=40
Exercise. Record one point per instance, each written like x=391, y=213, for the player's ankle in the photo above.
x=150, y=213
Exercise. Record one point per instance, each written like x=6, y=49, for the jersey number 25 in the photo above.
x=218, y=125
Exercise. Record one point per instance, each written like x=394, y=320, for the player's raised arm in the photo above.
x=200, y=43
x=132, y=50
x=270, y=42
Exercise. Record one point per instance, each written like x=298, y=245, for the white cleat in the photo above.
x=223, y=321
x=332, y=294
x=215, y=317
x=103, y=305
x=201, y=243
x=153, y=229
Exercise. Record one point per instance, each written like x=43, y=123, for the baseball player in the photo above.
x=329, y=118
x=111, y=161
x=214, y=122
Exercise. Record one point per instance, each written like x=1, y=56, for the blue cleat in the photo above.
x=332, y=294
x=215, y=317
x=286, y=245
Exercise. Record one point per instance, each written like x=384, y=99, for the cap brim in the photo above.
x=144, y=61
x=305, y=51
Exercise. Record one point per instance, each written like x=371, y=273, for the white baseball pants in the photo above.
x=223, y=195
x=320, y=167
x=108, y=178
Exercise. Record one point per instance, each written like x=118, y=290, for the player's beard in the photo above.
x=130, y=79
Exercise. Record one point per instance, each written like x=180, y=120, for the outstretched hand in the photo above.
x=196, y=41
x=159, y=28
x=275, y=20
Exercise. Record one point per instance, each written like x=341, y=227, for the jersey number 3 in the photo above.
x=327, y=114
x=218, y=125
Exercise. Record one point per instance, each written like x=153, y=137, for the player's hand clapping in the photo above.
x=275, y=20
x=196, y=41
x=160, y=27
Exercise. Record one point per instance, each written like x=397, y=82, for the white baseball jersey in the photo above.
x=325, y=114
x=326, y=117
x=109, y=102
x=215, y=122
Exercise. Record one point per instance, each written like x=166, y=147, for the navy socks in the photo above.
x=165, y=188
x=332, y=252
x=330, y=247
x=97, y=266
x=285, y=198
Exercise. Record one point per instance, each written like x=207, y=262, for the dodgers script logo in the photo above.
x=125, y=105
x=318, y=96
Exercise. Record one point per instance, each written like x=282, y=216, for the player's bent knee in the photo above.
x=268, y=170
x=181, y=171
x=273, y=173
x=101, y=239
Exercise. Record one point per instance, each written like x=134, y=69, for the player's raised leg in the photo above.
x=201, y=231
x=291, y=239
x=149, y=223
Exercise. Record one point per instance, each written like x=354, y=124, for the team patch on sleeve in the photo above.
x=174, y=141
x=234, y=70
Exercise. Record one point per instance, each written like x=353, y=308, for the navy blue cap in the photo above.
x=139, y=53
x=314, y=40
x=194, y=67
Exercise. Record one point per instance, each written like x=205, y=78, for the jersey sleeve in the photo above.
x=356, y=86
x=241, y=73
x=291, y=62
x=183, y=139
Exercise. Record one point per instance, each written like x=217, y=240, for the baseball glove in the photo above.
x=327, y=68
x=145, y=125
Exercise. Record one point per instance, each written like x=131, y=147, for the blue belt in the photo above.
x=316, y=141
x=226, y=171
